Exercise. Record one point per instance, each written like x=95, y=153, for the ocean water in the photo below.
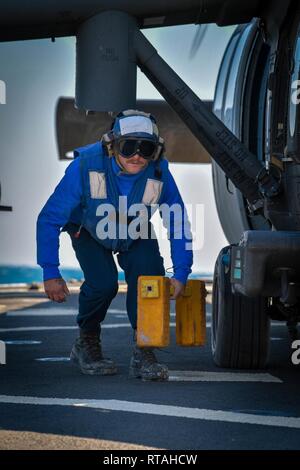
x=29, y=274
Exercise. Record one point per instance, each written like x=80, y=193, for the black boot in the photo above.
x=144, y=365
x=87, y=354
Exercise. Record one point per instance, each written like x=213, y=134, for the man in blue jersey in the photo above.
x=105, y=202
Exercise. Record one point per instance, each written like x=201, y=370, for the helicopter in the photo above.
x=250, y=132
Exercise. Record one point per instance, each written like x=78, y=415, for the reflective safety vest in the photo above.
x=104, y=211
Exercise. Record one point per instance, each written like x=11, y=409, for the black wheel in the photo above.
x=240, y=326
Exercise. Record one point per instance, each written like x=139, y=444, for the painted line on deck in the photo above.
x=22, y=342
x=207, y=376
x=160, y=410
x=197, y=375
x=116, y=310
x=172, y=315
x=60, y=312
x=53, y=359
x=51, y=312
x=57, y=328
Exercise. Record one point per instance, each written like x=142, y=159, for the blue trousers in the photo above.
x=100, y=284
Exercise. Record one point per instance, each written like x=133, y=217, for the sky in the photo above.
x=36, y=73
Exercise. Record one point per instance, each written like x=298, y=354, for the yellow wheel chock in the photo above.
x=153, y=322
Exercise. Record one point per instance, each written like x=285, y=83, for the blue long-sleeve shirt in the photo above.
x=64, y=206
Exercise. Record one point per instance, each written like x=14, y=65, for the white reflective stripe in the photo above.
x=97, y=185
x=152, y=191
x=131, y=124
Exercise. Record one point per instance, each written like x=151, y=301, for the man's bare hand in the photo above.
x=178, y=288
x=56, y=289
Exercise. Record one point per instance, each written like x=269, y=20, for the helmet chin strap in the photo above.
x=120, y=164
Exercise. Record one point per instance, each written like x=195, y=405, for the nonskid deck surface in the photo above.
x=46, y=403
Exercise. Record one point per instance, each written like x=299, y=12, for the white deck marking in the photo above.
x=60, y=312
x=207, y=376
x=22, y=342
x=160, y=410
x=53, y=359
x=51, y=312
x=116, y=310
x=37, y=328
x=124, y=315
x=197, y=375
x=57, y=328
x=42, y=312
